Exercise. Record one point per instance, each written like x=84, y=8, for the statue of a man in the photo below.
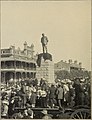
x=44, y=41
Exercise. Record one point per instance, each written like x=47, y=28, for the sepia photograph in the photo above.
x=45, y=59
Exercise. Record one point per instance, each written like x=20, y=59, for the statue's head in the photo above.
x=42, y=34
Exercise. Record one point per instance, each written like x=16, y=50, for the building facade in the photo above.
x=68, y=66
x=46, y=71
x=17, y=64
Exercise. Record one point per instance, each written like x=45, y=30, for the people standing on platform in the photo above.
x=28, y=113
x=46, y=115
x=66, y=94
x=38, y=100
x=71, y=95
x=52, y=95
x=5, y=104
x=59, y=93
x=33, y=98
x=78, y=92
x=43, y=98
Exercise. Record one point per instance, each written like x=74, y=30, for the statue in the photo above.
x=44, y=41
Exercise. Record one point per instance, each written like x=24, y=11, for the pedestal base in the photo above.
x=46, y=56
x=45, y=67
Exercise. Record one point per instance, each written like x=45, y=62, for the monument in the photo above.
x=44, y=41
x=45, y=65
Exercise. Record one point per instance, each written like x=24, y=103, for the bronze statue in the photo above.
x=44, y=41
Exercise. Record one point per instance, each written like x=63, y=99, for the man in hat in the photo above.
x=33, y=98
x=52, y=95
x=43, y=94
x=46, y=115
x=5, y=104
x=66, y=93
x=44, y=41
x=28, y=113
x=77, y=87
x=59, y=93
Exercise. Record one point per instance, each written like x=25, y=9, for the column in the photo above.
x=15, y=72
x=4, y=77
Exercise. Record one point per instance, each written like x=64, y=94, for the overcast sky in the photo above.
x=67, y=24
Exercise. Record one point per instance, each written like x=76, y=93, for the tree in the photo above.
x=63, y=74
x=86, y=74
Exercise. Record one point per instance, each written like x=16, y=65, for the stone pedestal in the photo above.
x=45, y=68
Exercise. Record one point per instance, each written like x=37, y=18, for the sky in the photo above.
x=67, y=24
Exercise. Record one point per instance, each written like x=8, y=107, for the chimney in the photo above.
x=19, y=50
x=25, y=45
x=32, y=50
x=75, y=62
x=70, y=61
x=80, y=64
x=32, y=45
x=12, y=49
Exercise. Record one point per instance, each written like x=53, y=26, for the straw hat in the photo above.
x=30, y=112
x=43, y=78
x=5, y=102
x=28, y=105
x=63, y=82
x=44, y=112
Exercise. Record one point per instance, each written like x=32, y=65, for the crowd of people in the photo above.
x=28, y=95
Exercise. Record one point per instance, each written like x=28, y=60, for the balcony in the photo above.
x=12, y=68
